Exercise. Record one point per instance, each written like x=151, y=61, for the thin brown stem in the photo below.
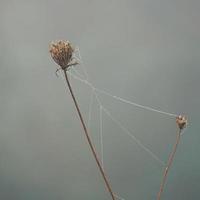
x=88, y=139
x=169, y=163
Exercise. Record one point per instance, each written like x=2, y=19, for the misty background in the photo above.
x=146, y=51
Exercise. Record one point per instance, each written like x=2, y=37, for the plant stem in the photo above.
x=169, y=163
x=88, y=138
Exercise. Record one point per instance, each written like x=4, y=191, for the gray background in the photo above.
x=146, y=51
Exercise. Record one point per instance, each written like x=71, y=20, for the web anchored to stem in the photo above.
x=181, y=122
x=96, y=91
x=94, y=96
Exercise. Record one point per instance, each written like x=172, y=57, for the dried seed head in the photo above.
x=61, y=52
x=181, y=121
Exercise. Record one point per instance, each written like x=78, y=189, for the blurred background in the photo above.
x=145, y=51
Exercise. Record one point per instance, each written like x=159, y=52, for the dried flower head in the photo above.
x=62, y=53
x=181, y=121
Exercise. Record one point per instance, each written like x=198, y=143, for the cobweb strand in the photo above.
x=122, y=99
x=119, y=123
x=95, y=92
x=101, y=134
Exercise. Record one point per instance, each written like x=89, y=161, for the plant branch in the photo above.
x=169, y=163
x=88, y=139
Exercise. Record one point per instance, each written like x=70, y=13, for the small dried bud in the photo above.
x=181, y=121
x=62, y=52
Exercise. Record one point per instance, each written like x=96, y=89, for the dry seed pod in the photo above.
x=62, y=52
x=181, y=121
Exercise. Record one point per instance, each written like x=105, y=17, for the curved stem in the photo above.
x=88, y=138
x=169, y=163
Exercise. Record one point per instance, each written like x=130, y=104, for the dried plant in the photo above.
x=62, y=53
x=181, y=122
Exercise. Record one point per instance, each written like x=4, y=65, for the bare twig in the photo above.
x=181, y=122
x=170, y=160
x=88, y=138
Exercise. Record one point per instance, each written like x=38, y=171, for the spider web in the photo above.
x=95, y=94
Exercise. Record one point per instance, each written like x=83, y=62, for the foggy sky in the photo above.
x=145, y=51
